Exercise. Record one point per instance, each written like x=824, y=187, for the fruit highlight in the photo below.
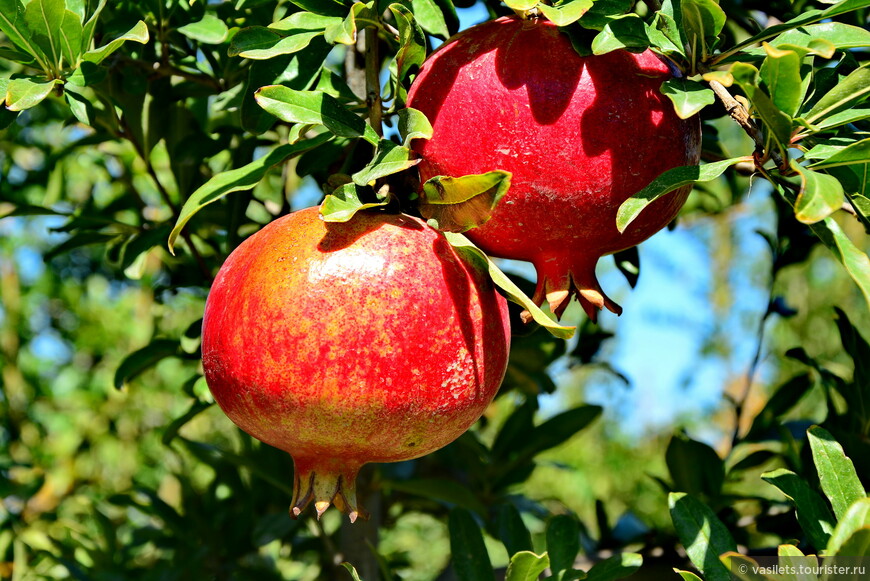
x=579, y=134
x=342, y=344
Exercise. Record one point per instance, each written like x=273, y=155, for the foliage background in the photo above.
x=114, y=463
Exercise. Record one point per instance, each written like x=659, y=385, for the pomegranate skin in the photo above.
x=579, y=134
x=368, y=341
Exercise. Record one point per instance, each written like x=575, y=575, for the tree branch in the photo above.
x=373, y=81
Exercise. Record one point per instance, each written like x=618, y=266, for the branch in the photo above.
x=739, y=113
x=373, y=81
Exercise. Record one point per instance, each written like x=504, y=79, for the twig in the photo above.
x=373, y=81
x=739, y=113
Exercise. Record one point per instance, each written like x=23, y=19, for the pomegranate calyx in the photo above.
x=326, y=488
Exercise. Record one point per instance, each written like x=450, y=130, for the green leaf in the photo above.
x=563, y=542
x=526, y=566
x=209, y=30
x=621, y=32
x=512, y=291
x=813, y=514
x=78, y=240
x=783, y=399
x=843, y=118
x=171, y=431
x=323, y=7
x=702, y=534
x=854, y=550
x=412, y=44
x=389, y=159
x=70, y=35
x=344, y=31
x=258, y=43
x=462, y=203
x=79, y=105
x=667, y=182
x=344, y=202
x=558, y=429
x=850, y=256
x=413, y=124
x=856, y=517
x=146, y=357
x=837, y=474
x=44, y=20
x=512, y=530
x=688, y=97
x=778, y=124
x=702, y=21
x=567, y=12
x=314, y=108
x=858, y=349
x=695, y=467
x=352, y=570
x=845, y=95
x=90, y=26
x=430, y=17
x=841, y=36
x=23, y=94
x=781, y=72
x=795, y=557
x=139, y=33
x=805, y=18
x=616, y=567
x=820, y=195
x=243, y=178
x=469, y=556
x=687, y=575
x=856, y=153
x=521, y=5
x=14, y=26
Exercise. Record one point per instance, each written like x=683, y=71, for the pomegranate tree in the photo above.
x=342, y=344
x=579, y=134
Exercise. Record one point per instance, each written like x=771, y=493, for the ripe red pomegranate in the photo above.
x=342, y=344
x=579, y=134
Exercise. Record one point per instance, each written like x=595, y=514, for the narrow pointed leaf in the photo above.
x=687, y=575
x=813, y=514
x=146, y=357
x=258, y=43
x=856, y=153
x=316, y=108
x=702, y=534
x=667, y=182
x=563, y=541
x=243, y=178
x=512, y=291
x=460, y=204
x=139, y=33
x=512, y=530
x=848, y=93
x=809, y=563
x=14, y=26
x=743, y=568
x=781, y=72
x=836, y=472
x=44, y=20
x=70, y=35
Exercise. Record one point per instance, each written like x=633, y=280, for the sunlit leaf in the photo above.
x=139, y=33
x=813, y=514
x=856, y=153
x=430, y=17
x=688, y=97
x=70, y=35
x=567, y=12
x=837, y=474
x=702, y=534
x=526, y=566
x=667, y=182
x=512, y=291
x=855, y=261
x=781, y=72
x=848, y=93
x=626, y=31
x=459, y=204
x=413, y=124
x=314, y=107
x=820, y=195
x=23, y=94
x=856, y=517
x=344, y=202
x=44, y=20
x=258, y=43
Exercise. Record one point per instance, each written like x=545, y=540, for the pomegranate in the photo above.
x=579, y=134
x=367, y=341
